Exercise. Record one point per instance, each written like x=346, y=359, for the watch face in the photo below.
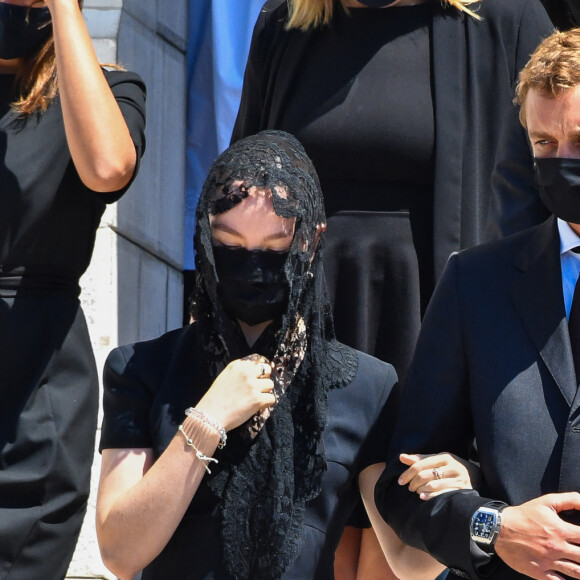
x=483, y=524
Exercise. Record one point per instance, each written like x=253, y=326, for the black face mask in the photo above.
x=558, y=182
x=252, y=285
x=22, y=30
x=377, y=3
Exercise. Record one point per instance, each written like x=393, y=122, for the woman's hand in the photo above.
x=241, y=390
x=431, y=475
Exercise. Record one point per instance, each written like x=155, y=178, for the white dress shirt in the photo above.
x=570, y=262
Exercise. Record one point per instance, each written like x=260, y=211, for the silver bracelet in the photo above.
x=198, y=453
x=196, y=414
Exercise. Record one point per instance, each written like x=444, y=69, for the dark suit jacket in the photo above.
x=494, y=362
x=475, y=67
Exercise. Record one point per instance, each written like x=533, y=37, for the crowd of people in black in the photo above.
x=380, y=377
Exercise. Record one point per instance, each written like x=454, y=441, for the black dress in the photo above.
x=378, y=185
x=48, y=378
x=149, y=385
x=400, y=110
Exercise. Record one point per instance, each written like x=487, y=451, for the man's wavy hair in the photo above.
x=553, y=68
x=307, y=14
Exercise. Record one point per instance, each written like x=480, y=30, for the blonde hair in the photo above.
x=306, y=14
x=553, y=68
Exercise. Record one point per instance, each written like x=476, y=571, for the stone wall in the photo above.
x=134, y=289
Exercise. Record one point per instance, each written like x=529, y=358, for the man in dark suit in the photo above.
x=494, y=364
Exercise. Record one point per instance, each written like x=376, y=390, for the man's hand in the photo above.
x=536, y=541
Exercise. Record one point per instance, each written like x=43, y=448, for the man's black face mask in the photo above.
x=558, y=181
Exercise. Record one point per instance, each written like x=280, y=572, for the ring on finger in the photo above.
x=437, y=473
x=262, y=371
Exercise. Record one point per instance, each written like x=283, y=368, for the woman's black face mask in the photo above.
x=252, y=286
x=23, y=30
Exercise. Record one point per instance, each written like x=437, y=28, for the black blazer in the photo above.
x=475, y=67
x=494, y=362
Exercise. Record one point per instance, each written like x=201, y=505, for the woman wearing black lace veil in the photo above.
x=305, y=418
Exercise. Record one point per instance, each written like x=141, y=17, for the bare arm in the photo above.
x=97, y=135
x=132, y=529
x=140, y=502
x=406, y=562
x=428, y=476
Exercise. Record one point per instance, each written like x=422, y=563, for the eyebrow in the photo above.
x=281, y=235
x=540, y=135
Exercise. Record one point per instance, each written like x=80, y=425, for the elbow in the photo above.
x=107, y=176
x=119, y=565
x=116, y=555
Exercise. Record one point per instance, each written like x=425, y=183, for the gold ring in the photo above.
x=437, y=473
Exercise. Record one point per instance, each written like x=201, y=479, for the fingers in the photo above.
x=265, y=371
x=431, y=475
x=409, y=458
x=266, y=386
x=267, y=400
x=570, y=568
x=563, y=501
x=425, y=464
x=257, y=365
x=439, y=486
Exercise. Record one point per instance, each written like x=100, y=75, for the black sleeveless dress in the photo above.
x=48, y=378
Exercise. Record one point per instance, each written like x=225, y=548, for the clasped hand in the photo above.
x=431, y=475
x=537, y=542
x=240, y=391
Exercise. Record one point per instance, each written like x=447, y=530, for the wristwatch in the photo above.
x=486, y=524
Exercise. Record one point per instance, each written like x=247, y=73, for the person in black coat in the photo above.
x=497, y=361
x=401, y=109
x=401, y=106
x=71, y=137
x=236, y=447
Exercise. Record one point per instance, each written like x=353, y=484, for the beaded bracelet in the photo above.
x=198, y=453
x=196, y=414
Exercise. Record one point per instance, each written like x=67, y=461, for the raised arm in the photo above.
x=98, y=137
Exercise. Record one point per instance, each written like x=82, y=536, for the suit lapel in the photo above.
x=449, y=94
x=537, y=297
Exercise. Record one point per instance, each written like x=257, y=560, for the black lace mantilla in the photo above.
x=273, y=465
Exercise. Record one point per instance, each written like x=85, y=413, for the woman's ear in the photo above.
x=320, y=228
x=304, y=245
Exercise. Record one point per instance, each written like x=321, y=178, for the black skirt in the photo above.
x=48, y=420
x=379, y=272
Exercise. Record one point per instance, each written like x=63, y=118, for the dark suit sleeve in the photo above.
x=515, y=204
x=435, y=416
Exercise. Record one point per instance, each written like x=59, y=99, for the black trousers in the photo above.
x=48, y=416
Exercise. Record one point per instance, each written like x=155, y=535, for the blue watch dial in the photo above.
x=484, y=524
